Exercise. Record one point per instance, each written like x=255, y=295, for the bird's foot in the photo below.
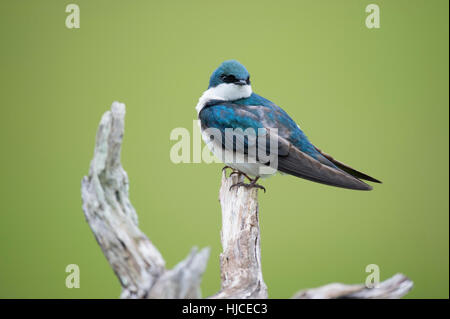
x=236, y=172
x=251, y=185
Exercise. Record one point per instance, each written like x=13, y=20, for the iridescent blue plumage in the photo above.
x=257, y=112
x=229, y=103
x=280, y=119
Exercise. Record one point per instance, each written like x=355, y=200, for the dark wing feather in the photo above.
x=291, y=160
x=348, y=169
x=294, y=162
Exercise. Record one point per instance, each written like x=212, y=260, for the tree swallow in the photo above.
x=229, y=103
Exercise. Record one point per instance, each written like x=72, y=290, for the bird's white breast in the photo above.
x=224, y=92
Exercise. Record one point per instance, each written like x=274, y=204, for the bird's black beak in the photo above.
x=241, y=82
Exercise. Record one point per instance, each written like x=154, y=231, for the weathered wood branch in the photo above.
x=392, y=288
x=135, y=260
x=139, y=265
x=240, y=261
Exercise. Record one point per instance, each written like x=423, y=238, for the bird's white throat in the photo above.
x=225, y=92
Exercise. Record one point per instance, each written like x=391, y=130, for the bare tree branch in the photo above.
x=395, y=287
x=240, y=262
x=135, y=260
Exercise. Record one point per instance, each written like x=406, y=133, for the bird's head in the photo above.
x=230, y=81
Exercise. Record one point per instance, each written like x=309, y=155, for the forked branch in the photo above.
x=135, y=260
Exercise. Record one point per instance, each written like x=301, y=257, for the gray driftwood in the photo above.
x=139, y=265
x=135, y=260
x=392, y=288
x=240, y=261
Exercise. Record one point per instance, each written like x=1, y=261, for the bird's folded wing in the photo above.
x=348, y=169
x=238, y=130
x=289, y=158
x=293, y=161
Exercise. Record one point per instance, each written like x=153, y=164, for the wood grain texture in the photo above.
x=393, y=288
x=137, y=263
x=240, y=261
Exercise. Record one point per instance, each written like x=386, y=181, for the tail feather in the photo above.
x=297, y=163
x=348, y=169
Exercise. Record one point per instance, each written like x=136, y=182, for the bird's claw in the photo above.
x=251, y=185
x=238, y=173
x=225, y=168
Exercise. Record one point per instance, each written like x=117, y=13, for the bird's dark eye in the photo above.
x=247, y=80
x=228, y=78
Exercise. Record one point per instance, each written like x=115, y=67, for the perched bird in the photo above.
x=229, y=103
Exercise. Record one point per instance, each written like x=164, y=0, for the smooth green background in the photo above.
x=376, y=99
